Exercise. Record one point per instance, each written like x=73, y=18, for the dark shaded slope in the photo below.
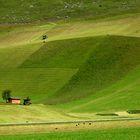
x=71, y=53
x=107, y=64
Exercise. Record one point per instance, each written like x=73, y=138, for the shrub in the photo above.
x=133, y=111
x=107, y=114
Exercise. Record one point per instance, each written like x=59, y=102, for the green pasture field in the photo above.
x=89, y=65
x=114, y=134
x=49, y=75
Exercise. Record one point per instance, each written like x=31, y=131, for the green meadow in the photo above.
x=114, y=134
x=88, y=69
x=100, y=74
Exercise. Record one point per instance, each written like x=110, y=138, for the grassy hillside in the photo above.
x=69, y=53
x=36, y=83
x=109, y=62
x=12, y=57
x=34, y=113
x=99, y=68
x=88, y=69
x=123, y=95
x=22, y=11
x=83, y=66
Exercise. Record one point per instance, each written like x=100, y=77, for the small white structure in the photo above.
x=45, y=37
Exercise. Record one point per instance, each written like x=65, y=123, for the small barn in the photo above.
x=14, y=100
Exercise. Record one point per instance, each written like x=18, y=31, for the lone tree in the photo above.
x=6, y=94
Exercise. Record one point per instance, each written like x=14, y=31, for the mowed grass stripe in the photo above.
x=122, y=95
x=13, y=57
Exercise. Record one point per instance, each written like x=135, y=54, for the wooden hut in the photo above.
x=14, y=100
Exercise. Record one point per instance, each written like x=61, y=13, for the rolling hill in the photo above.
x=97, y=69
x=87, y=65
x=108, y=63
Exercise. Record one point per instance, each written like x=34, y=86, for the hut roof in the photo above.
x=14, y=98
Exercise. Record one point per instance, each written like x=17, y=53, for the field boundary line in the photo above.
x=66, y=122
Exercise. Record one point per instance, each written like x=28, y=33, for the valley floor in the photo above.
x=47, y=114
x=97, y=131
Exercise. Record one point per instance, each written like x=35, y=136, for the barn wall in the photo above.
x=15, y=101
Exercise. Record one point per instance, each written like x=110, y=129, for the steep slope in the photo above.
x=21, y=11
x=69, y=53
x=67, y=71
x=75, y=69
x=110, y=62
x=123, y=95
x=46, y=69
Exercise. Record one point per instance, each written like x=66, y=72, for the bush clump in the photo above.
x=107, y=114
x=133, y=111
